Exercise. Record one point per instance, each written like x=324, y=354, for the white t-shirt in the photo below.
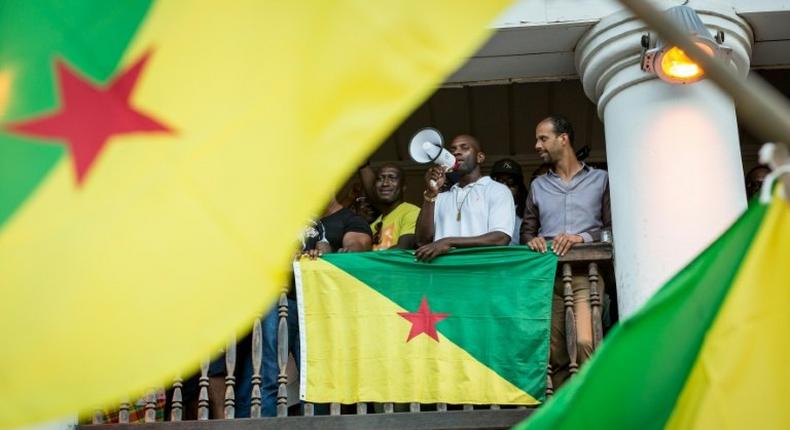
x=485, y=206
x=516, y=231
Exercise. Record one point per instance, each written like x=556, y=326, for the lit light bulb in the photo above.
x=676, y=65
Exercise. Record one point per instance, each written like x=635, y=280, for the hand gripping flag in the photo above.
x=471, y=327
x=708, y=351
x=158, y=157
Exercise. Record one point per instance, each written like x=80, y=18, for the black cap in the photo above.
x=507, y=166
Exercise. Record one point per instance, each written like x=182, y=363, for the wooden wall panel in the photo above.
x=450, y=111
x=568, y=99
x=530, y=105
x=504, y=117
x=489, y=110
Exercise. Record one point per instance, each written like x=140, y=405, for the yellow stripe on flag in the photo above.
x=357, y=351
x=740, y=379
x=176, y=240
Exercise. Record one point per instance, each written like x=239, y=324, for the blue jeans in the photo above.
x=269, y=368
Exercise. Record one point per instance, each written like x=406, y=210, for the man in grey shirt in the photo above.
x=567, y=205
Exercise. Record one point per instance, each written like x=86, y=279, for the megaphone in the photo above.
x=427, y=147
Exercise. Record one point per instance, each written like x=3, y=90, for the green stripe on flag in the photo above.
x=476, y=287
x=90, y=35
x=634, y=379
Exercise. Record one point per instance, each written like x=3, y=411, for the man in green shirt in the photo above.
x=394, y=228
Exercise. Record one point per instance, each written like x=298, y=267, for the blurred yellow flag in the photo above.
x=157, y=161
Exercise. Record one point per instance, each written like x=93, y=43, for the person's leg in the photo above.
x=189, y=394
x=293, y=334
x=243, y=389
x=269, y=368
x=558, y=356
x=293, y=331
x=583, y=311
x=216, y=387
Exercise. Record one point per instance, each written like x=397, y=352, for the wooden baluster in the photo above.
x=282, y=355
x=570, y=319
x=334, y=408
x=123, y=411
x=203, y=396
x=309, y=409
x=595, y=304
x=257, y=354
x=230, y=379
x=521, y=407
x=495, y=407
x=389, y=408
x=362, y=408
x=441, y=407
x=177, y=406
x=414, y=407
x=549, y=382
x=150, y=407
x=468, y=407
x=98, y=417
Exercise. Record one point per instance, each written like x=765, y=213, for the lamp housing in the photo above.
x=669, y=62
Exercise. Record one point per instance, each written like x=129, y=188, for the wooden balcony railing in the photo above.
x=595, y=259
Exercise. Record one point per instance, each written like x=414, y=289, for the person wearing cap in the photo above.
x=476, y=211
x=567, y=205
x=508, y=173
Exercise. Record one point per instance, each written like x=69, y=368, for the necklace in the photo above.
x=460, y=206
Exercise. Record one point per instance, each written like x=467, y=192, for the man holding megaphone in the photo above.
x=476, y=211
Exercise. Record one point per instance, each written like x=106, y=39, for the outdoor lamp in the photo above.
x=669, y=62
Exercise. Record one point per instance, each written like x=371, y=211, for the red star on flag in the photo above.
x=423, y=321
x=90, y=114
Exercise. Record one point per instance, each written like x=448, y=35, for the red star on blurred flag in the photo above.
x=90, y=114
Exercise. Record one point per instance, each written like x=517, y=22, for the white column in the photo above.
x=675, y=171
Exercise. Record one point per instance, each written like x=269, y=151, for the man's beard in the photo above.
x=467, y=166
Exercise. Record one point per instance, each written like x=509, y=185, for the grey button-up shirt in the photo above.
x=580, y=206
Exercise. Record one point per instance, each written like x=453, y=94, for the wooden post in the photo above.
x=177, y=406
x=595, y=305
x=309, y=409
x=495, y=407
x=570, y=319
x=468, y=407
x=257, y=354
x=414, y=407
x=123, y=412
x=282, y=355
x=230, y=379
x=389, y=408
x=334, y=408
x=98, y=417
x=362, y=408
x=150, y=406
x=441, y=407
x=203, y=396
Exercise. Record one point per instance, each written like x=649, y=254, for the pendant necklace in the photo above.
x=461, y=205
